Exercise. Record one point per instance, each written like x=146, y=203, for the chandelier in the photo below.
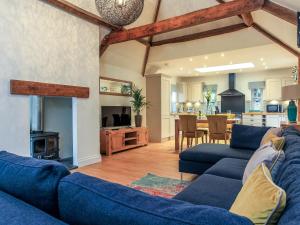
x=120, y=12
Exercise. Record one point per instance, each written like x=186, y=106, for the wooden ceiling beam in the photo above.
x=204, y=34
x=275, y=39
x=81, y=13
x=281, y=12
x=147, y=53
x=247, y=17
x=214, y=13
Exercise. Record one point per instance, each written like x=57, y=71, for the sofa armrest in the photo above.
x=86, y=200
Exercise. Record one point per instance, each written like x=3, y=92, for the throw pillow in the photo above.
x=260, y=200
x=265, y=154
x=271, y=133
x=278, y=142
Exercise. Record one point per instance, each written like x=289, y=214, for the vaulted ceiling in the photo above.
x=240, y=46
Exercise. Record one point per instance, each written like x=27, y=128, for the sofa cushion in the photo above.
x=212, y=153
x=228, y=167
x=17, y=212
x=31, y=180
x=85, y=200
x=211, y=190
x=247, y=137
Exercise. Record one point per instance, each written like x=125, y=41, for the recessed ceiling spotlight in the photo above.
x=264, y=64
x=181, y=68
x=222, y=54
x=266, y=67
x=206, y=57
x=231, y=63
x=262, y=59
x=191, y=59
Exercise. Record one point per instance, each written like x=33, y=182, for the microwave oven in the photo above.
x=274, y=108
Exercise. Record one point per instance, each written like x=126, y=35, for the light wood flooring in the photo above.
x=128, y=166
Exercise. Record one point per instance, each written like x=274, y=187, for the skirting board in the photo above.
x=89, y=160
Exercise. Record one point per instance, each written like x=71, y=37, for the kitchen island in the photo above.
x=264, y=119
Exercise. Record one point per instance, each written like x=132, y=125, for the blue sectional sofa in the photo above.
x=44, y=192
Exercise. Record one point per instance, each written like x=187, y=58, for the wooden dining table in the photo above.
x=202, y=121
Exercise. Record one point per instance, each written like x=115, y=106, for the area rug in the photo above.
x=159, y=186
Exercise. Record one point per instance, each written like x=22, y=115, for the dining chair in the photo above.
x=188, y=126
x=217, y=126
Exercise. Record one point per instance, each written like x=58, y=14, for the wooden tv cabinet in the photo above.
x=112, y=141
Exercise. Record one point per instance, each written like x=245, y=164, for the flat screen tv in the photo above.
x=116, y=116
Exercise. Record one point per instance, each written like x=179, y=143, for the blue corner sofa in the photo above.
x=38, y=192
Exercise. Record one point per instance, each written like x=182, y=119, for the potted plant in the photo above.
x=138, y=103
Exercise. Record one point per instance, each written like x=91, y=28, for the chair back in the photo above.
x=217, y=124
x=188, y=123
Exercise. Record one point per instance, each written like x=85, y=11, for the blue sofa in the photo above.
x=43, y=192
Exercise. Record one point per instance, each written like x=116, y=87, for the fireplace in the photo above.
x=44, y=145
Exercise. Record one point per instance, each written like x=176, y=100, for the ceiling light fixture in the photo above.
x=222, y=54
x=191, y=59
x=206, y=57
x=120, y=12
x=225, y=67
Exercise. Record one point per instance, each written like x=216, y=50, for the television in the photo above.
x=115, y=116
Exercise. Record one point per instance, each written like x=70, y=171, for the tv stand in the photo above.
x=112, y=141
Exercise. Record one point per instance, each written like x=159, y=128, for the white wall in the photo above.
x=58, y=118
x=39, y=42
x=124, y=62
x=242, y=80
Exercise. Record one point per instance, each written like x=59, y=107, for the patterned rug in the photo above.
x=159, y=186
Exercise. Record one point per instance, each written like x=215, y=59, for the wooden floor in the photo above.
x=128, y=166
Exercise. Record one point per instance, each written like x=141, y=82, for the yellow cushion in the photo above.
x=278, y=142
x=260, y=199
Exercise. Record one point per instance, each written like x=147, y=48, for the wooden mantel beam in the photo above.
x=204, y=34
x=79, y=12
x=214, y=13
x=275, y=39
x=281, y=12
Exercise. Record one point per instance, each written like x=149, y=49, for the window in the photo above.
x=173, y=98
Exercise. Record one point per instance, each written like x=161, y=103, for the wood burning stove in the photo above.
x=44, y=145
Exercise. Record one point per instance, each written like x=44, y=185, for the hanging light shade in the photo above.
x=120, y=12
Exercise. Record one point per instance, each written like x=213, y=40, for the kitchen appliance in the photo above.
x=274, y=108
x=232, y=99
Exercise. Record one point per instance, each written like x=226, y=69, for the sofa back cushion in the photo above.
x=85, y=200
x=31, y=180
x=247, y=137
x=288, y=177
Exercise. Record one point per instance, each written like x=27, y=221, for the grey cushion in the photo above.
x=211, y=190
x=212, y=153
x=265, y=154
x=229, y=167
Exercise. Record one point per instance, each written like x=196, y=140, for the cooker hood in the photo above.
x=231, y=91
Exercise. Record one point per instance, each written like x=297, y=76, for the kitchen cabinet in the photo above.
x=288, y=81
x=273, y=89
x=253, y=120
x=264, y=119
x=275, y=120
x=159, y=118
x=195, y=92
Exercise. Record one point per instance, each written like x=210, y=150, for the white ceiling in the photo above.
x=263, y=57
x=242, y=46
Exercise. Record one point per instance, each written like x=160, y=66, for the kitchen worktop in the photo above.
x=263, y=113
